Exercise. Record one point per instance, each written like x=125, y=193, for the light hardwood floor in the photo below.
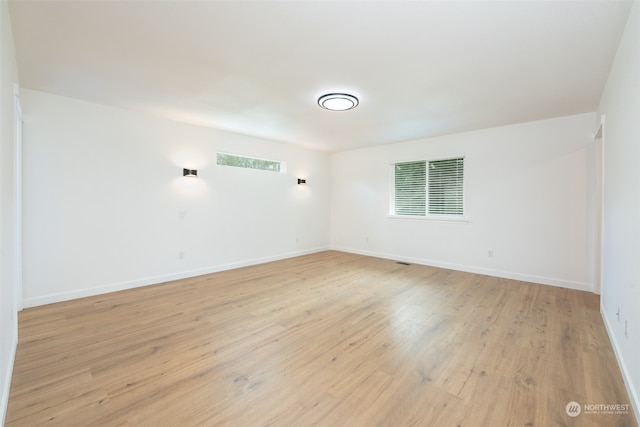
x=329, y=339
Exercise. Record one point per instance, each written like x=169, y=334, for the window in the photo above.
x=410, y=188
x=429, y=188
x=225, y=159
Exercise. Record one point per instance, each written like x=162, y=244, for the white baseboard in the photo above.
x=6, y=386
x=81, y=293
x=478, y=270
x=114, y=287
x=631, y=390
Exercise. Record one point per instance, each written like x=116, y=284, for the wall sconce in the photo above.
x=191, y=173
x=301, y=181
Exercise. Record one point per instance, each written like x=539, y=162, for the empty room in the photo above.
x=319, y=213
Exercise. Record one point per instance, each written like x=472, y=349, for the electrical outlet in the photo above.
x=182, y=213
x=181, y=255
x=618, y=313
x=490, y=253
x=626, y=329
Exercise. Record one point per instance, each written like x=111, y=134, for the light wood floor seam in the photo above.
x=328, y=339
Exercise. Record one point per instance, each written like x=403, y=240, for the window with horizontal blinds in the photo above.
x=446, y=189
x=429, y=188
x=410, y=188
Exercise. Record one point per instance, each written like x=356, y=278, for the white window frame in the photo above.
x=427, y=217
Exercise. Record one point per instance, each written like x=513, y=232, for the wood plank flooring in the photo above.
x=329, y=339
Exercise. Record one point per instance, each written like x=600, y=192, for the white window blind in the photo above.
x=446, y=187
x=429, y=188
x=410, y=188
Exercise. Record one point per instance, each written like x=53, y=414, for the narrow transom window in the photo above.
x=226, y=159
x=429, y=188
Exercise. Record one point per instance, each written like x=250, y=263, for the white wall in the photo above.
x=8, y=308
x=620, y=103
x=526, y=200
x=103, y=192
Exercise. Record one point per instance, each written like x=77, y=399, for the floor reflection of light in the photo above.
x=408, y=318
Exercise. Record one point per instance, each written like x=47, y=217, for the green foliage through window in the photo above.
x=225, y=159
x=429, y=188
x=410, y=188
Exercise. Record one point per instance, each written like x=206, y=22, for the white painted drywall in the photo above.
x=526, y=201
x=106, y=206
x=620, y=104
x=8, y=307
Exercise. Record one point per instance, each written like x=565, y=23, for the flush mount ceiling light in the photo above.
x=338, y=101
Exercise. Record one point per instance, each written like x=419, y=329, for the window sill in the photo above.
x=431, y=218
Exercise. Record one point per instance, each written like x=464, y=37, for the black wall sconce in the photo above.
x=191, y=173
x=301, y=181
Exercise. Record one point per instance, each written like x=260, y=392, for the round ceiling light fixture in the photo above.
x=338, y=101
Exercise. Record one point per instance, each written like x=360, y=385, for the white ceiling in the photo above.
x=420, y=68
